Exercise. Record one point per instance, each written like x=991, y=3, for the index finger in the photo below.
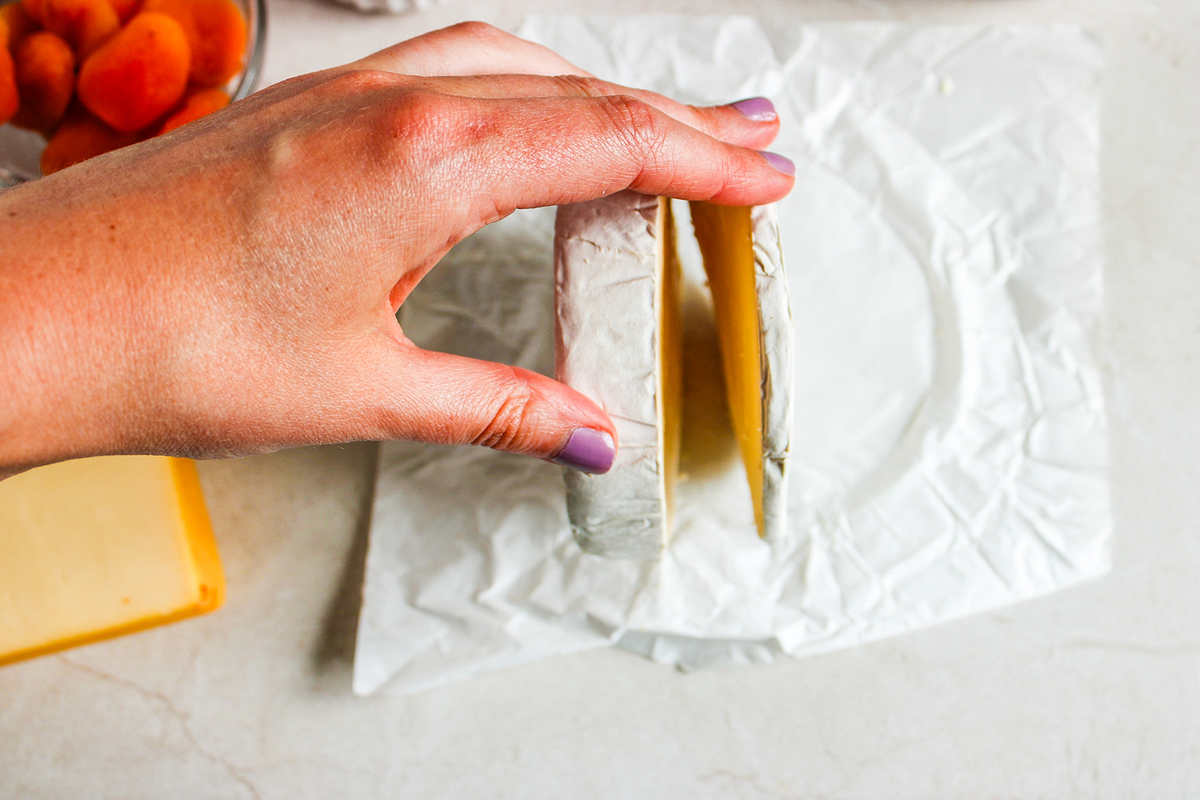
x=724, y=122
x=541, y=151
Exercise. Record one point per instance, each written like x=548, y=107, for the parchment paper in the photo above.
x=950, y=446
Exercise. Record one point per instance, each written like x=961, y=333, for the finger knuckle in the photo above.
x=584, y=86
x=426, y=123
x=474, y=29
x=736, y=174
x=353, y=82
x=637, y=125
x=507, y=421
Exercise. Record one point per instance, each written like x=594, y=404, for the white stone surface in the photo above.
x=1093, y=692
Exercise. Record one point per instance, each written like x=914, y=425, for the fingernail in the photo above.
x=781, y=163
x=588, y=450
x=756, y=109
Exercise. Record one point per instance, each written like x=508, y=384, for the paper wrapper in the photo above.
x=949, y=453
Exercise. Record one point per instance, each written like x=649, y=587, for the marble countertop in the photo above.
x=1091, y=692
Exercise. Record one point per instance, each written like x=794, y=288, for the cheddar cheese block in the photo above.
x=618, y=309
x=743, y=260
x=618, y=297
x=99, y=547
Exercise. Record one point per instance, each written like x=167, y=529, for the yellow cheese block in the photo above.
x=99, y=547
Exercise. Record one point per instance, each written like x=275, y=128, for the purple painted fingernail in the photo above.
x=756, y=109
x=588, y=450
x=781, y=163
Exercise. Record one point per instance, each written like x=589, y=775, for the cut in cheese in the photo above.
x=619, y=326
x=618, y=296
x=99, y=547
x=744, y=264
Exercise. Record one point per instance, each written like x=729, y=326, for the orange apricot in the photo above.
x=216, y=30
x=79, y=138
x=83, y=24
x=125, y=8
x=138, y=75
x=9, y=99
x=198, y=104
x=18, y=22
x=33, y=9
x=45, y=71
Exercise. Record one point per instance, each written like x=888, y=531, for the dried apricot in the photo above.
x=45, y=70
x=79, y=138
x=83, y=24
x=198, y=104
x=138, y=75
x=125, y=8
x=19, y=23
x=8, y=82
x=33, y=9
x=216, y=31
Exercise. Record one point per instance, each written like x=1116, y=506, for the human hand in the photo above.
x=232, y=287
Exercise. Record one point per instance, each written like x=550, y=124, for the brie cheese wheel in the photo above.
x=743, y=260
x=618, y=297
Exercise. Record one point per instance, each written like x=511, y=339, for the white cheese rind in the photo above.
x=775, y=329
x=606, y=329
x=606, y=272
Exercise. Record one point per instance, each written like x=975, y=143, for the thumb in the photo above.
x=449, y=399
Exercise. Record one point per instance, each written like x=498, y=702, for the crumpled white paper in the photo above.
x=950, y=449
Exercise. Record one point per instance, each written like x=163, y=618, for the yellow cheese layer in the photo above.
x=726, y=244
x=100, y=547
x=670, y=353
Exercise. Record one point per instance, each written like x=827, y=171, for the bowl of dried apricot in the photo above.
x=82, y=77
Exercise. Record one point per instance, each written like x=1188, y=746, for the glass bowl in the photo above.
x=21, y=150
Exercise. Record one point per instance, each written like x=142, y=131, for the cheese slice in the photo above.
x=99, y=547
x=618, y=299
x=744, y=264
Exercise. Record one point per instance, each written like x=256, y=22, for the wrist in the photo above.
x=69, y=357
